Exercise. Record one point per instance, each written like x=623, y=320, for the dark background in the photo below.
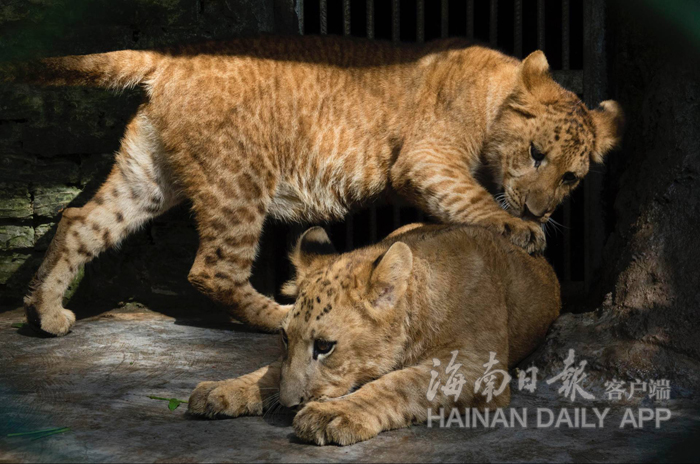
x=629, y=258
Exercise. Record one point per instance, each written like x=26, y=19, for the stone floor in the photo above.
x=98, y=379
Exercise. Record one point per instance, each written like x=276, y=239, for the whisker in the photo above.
x=557, y=223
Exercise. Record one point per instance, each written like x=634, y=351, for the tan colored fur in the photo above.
x=304, y=129
x=391, y=309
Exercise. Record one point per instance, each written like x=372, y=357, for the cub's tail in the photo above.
x=115, y=70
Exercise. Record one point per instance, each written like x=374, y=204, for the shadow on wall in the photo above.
x=647, y=327
x=56, y=143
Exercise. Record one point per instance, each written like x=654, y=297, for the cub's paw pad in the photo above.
x=525, y=234
x=227, y=398
x=331, y=422
x=197, y=403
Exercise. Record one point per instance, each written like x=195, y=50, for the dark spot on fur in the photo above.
x=219, y=253
x=210, y=260
x=218, y=225
x=83, y=251
x=99, y=200
x=221, y=275
x=318, y=299
x=120, y=217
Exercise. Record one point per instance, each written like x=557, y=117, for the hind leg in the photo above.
x=230, y=195
x=135, y=191
x=222, y=268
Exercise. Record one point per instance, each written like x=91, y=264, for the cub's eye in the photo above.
x=536, y=154
x=285, y=340
x=322, y=347
x=569, y=178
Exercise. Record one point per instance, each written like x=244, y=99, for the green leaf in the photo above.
x=42, y=433
x=18, y=325
x=63, y=430
x=173, y=404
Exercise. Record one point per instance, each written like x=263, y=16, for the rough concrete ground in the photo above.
x=97, y=381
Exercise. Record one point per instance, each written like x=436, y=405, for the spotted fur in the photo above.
x=416, y=297
x=303, y=129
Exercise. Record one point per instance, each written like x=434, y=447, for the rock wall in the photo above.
x=648, y=323
x=56, y=144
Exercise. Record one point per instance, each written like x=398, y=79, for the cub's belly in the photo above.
x=308, y=201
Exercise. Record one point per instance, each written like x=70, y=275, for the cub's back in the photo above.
x=480, y=278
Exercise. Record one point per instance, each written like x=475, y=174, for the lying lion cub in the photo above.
x=368, y=328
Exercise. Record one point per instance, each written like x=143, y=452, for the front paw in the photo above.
x=56, y=322
x=525, y=234
x=334, y=422
x=230, y=398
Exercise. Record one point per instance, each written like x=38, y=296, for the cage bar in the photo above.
x=444, y=19
x=594, y=89
x=493, y=23
x=540, y=24
x=470, y=19
x=300, y=15
x=370, y=19
x=324, y=16
x=395, y=21
x=565, y=35
x=518, y=28
x=346, y=17
x=420, y=21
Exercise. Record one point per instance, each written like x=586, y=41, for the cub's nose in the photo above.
x=291, y=403
x=531, y=216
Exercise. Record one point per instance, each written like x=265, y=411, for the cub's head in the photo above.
x=544, y=140
x=345, y=327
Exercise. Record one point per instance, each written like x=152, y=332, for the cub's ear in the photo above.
x=389, y=278
x=312, y=245
x=609, y=121
x=534, y=71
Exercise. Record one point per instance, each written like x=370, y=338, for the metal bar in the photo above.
x=470, y=19
x=540, y=24
x=571, y=80
x=323, y=4
x=518, y=28
x=493, y=23
x=420, y=21
x=346, y=17
x=565, y=35
x=395, y=26
x=594, y=90
x=300, y=15
x=444, y=19
x=370, y=19
x=566, y=220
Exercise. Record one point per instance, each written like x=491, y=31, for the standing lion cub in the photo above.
x=362, y=338
x=304, y=129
